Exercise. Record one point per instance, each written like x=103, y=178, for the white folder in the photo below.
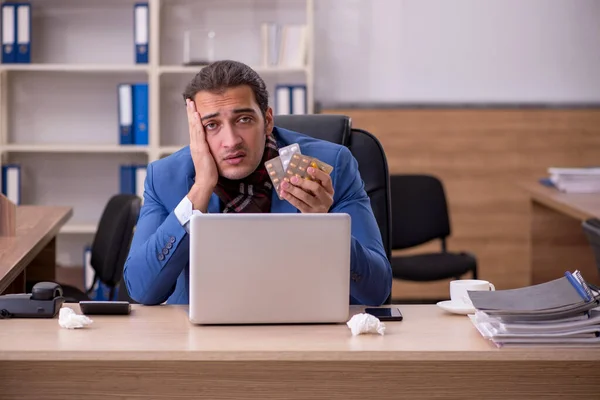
x=282, y=100
x=299, y=100
x=8, y=33
x=12, y=185
x=140, y=179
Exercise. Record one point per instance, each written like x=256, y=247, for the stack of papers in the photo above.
x=564, y=311
x=575, y=180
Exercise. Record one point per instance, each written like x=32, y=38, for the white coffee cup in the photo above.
x=459, y=288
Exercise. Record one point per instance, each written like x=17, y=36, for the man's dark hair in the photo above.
x=225, y=74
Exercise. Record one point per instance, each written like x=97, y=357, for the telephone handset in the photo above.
x=44, y=301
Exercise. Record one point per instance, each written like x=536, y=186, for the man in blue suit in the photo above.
x=222, y=170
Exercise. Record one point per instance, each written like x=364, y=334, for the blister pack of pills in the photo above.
x=291, y=162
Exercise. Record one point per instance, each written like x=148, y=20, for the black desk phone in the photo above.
x=44, y=301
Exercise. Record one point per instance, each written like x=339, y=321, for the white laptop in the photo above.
x=269, y=268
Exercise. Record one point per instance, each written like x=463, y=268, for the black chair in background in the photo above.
x=420, y=215
x=110, y=246
x=372, y=162
x=591, y=229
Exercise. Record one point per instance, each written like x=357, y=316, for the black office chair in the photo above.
x=372, y=162
x=110, y=246
x=591, y=229
x=420, y=215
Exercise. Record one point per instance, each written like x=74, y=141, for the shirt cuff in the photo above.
x=184, y=212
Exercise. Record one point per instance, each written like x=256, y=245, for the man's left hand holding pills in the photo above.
x=309, y=196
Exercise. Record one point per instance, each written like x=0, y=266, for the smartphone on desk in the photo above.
x=385, y=313
x=105, y=307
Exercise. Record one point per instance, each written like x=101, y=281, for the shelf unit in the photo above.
x=59, y=115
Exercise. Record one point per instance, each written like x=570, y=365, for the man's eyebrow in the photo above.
x=208, y=116
x=244, y=110
x=236, y=111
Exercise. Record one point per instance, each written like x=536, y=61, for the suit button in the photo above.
x=161, y=256
x=165, y=251
x=169, y=245
x=172, y=239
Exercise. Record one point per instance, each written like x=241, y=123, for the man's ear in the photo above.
x=269, y=123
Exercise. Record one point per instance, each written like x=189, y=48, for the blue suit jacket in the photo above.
x=157, y=268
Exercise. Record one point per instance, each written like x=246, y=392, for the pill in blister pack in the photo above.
x=286, y=153
x=276, y=173
x=300, y=163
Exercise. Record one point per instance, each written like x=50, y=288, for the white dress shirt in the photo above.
x=184, y=212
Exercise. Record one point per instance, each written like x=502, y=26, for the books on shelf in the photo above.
x=574, y=180
x=284, y=45
x=16, y=33
x=564, y=311
x=133, y=113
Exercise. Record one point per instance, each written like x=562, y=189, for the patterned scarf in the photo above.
x=253, y=193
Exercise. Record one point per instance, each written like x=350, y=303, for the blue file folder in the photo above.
x=140, y=113
x=132, y=179
x=127, y=179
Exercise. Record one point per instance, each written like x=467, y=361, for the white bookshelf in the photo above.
x=59, y=114
x=74, y=148
x=75, y=67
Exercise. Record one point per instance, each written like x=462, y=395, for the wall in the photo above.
x=457, y=51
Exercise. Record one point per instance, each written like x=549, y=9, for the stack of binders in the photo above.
x=562, y=312
x=16, y=33
x=290, y=99
x=133, y=113
x=133, y=177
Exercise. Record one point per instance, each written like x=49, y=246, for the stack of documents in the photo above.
x=564, y=311
x=575, y=180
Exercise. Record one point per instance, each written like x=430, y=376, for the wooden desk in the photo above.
x=156, y=353
x=33, y=250
x=557, y=242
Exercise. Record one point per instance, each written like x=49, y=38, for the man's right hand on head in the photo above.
x=207, y=174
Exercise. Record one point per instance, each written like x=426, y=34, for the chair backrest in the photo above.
x=591, y=228
x=372, y=162
x=113, y=237
x=419, y=210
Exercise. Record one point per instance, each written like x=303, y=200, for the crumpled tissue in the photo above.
x=365, y=323
x=69, y=320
